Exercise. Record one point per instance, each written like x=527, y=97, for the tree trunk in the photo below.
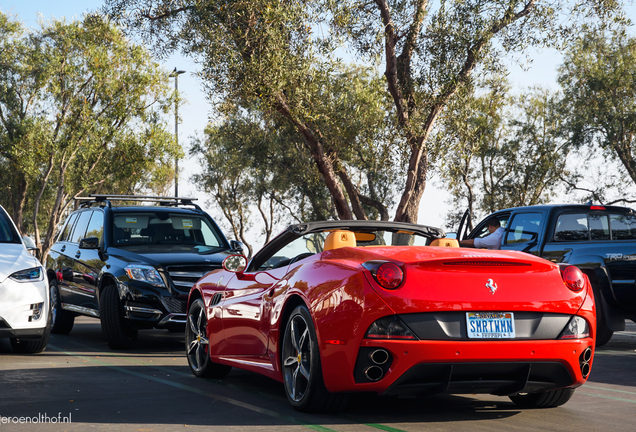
x=18, y=201
x=324, y=164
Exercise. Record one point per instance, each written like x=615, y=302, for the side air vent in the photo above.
x=216, y=299
x=476, y=263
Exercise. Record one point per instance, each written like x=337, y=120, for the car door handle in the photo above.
x=63, y=248
x=78, y=254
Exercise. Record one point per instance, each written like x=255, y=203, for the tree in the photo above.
x=504, y=151
x=80, y=109
x=252, y=173
x=279, y=53
x=256, y=157
x=598, y=78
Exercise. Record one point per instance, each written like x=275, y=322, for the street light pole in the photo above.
x=175, y=74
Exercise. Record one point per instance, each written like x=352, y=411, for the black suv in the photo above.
x=132, y=266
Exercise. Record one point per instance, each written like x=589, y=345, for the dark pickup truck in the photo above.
x=600, y=240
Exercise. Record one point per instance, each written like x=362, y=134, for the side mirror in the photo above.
x=89, y=243
x=237, y=246
x=29, y=243
x=235, y=263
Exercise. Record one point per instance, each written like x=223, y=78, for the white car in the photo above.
x=25, y=312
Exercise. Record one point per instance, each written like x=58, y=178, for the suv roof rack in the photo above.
x=105, y=200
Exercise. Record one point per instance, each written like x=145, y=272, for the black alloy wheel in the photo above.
x=302, y=371
x=198, y=345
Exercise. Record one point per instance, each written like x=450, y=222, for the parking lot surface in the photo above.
x=80, y=380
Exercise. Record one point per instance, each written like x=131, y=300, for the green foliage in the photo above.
x=504, y=151
x=80, y=111
x=599, y=84
x=255, y=157
x=280, y=58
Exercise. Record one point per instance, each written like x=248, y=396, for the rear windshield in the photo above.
x=8, y=234
x=623, y=226
x=165, y=231
x=595, y=226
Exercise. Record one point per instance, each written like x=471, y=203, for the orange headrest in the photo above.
x=337, y=239
x=445, y=242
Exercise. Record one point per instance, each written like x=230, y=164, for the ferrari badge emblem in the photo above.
x=491, y=285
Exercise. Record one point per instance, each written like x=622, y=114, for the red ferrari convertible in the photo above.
x=331, y=308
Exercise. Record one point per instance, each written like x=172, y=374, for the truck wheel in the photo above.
x=62, y=321
x=603, y=332
x=118, y=333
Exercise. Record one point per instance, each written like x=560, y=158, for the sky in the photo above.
x=196, y=111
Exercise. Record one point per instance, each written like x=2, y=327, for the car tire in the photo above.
x=197, y=344
x=603, y=332
x=548, y=399
x=62, y=321
x=301, y=367
x=34, y=346
x=118, y=333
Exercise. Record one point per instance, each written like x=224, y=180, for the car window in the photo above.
x=172, y=230
x=482, y=231
x=599, y=226
x=96, y=225
x=80, y=227
x=571, y=227
x=623, y=226
x=7, y=232
x=68, y=228
x=301, y=247
x=524, y=228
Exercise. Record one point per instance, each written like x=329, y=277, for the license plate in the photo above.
x=490, y=325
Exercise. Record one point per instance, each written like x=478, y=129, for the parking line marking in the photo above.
x=608, y=389
x=198, y=391
x=380, y=426
x=167, y=369
x=608, y=397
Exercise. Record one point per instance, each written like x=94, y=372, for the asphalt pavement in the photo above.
x=80, y=380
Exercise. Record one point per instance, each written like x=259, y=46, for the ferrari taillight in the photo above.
x=387, y=274
x=573, y=278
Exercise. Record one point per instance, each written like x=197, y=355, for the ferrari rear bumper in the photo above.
x=498, y=367
x=500, y=378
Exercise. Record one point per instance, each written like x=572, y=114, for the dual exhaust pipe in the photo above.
x=584, y=362
x=378, y=357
